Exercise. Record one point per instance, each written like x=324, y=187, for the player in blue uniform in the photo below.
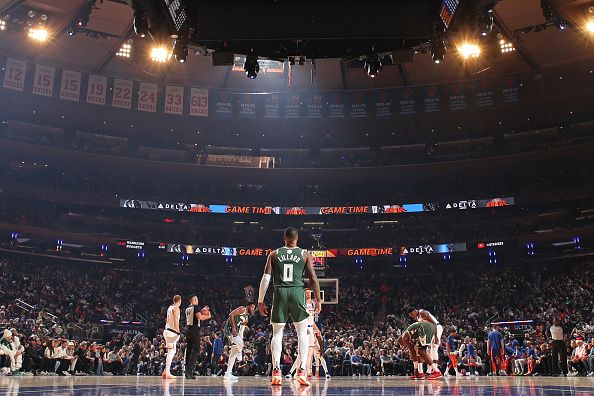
x=471, y=351
x=452, y=349
x=496, y=350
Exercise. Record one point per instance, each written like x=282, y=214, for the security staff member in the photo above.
x=193, y=317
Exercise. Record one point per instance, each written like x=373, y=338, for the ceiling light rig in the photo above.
x=438, y=44
x=469, y=49
x=251, y=67
x=589, y=25
x=373, y=64
x=484, y=22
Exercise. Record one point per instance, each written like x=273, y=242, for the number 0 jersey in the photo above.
x=288, y=267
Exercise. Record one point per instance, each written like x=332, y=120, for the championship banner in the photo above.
x=336, y=105
x=96, y=89
x=431, y=99
x=406, y=101
x=292, y=105
x=174, y=100
x=358, y=105
x=272, y=105
x=223, y=103
x=43, y=82
x=510, y=89
x=70, y=85
x=457, y=97
x=313, y=105
x=247, y=105
x=485, y=96
x=147, y=97
x=14, y=75
x=122, y=94
x=199, y=102
x=383, y=104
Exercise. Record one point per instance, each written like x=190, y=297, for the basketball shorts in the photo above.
x=422, y=332
x=288, y=302
x=170, y=337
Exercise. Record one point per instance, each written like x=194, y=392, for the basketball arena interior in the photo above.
x=294, y=197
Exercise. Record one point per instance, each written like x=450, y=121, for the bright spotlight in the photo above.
x=2, y=24
x=160, y=54
x=590, y=26
x=125, y=50
x=251, y=67
x=506, y=46
x=39, y=34
x=469, y=50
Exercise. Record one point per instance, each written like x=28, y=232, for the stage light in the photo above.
x=141, y=26
x=160, y=54
x=506, y=46
x=2, y=24
x=469, y=50
x=39, y=34
x=125, y=50
x=590, y=20
x=373, y=65
x=484, y=22
x=438, y=50
x=251, y=67
x=180, y=50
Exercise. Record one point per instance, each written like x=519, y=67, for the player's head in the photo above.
x=308, y=294
x=291, y=235
x=193, y=299
x=413, y=313
x=250, y=307
x=177, y=300
x=453, y=332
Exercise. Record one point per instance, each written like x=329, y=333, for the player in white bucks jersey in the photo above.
x=316, y=342
x=171, y=335
x=286, y=266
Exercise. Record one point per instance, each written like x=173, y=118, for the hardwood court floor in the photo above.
x=339, y=386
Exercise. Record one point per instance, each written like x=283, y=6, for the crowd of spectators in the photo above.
x=46, y=308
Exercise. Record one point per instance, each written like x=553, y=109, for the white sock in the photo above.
x=232, y=358
x=296, y=364
x=302, y=341
x=169, y=359
x=276, y=345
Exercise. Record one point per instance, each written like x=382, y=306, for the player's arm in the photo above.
x=236, y=312
x=264, y=282
x=488, y=347
x=176, y=318
x=313, y=279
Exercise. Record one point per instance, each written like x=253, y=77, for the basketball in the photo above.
x=205, y=311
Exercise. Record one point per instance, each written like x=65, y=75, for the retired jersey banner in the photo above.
x=358, y=105
x=147, y=97
x=485, y=96
x=457, y=99
x=96, y=89
x=272, y=106
x=199, y=102
x=383, y=103
x=406, y=101
x=336, y=105
x=292, y=105
x=313, y=105
x=431, y=99
x=174, y=100
x=70, y=85
x=223, y=103
x=43, y=82
x=510, y=89
x=14, y=74
x=247, y=105
x=122, y=94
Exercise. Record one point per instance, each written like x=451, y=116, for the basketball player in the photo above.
x=452, y=349
x=417, y=337
x=193, y=317
x=171, y=335
x=316, y=342
x=421, y=315
x=233, y=332
x=286, y=265
x=496, y=351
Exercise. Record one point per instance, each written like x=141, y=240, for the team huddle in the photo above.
x=286, y=267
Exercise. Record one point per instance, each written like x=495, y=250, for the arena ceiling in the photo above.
x=111, y=24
